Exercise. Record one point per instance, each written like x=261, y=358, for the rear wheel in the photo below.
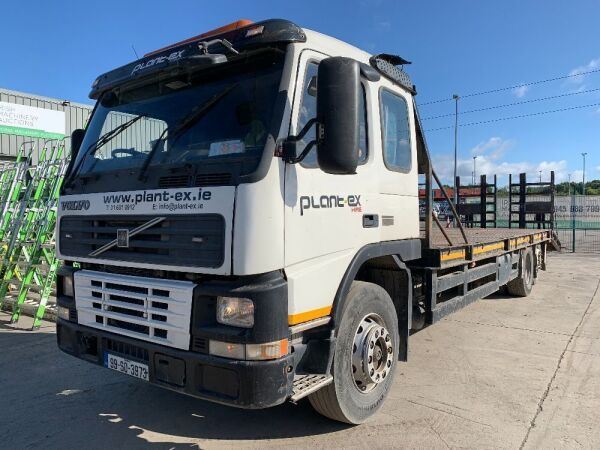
x=365, y=359
x=522, y=285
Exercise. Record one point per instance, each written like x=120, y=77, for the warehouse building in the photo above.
x=31, y=122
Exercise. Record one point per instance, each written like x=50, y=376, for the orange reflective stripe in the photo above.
x=294, y=319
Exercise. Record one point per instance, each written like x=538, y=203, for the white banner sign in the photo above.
x=580, y=208
x=22, y=120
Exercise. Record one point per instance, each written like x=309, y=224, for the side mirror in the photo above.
x=76, y=140
x=338, y=87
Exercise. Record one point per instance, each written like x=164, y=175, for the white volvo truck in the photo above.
x=240, y=223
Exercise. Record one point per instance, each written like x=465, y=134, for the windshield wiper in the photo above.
x=186, y=123
x=101, y=141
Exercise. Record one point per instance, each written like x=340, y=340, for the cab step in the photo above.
x=307, y=384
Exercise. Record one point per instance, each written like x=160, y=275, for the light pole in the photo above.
x=569, y=185
x=456, y=98
x=540, y=176
x=474, y=169
x=583, y=186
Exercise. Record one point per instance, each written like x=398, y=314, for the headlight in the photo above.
x=235, y=311
x=67, y=285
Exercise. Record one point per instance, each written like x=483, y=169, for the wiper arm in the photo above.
x=101, y=141
x=108, y=136
x=187, y=122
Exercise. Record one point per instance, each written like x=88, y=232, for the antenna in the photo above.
x=136, y=55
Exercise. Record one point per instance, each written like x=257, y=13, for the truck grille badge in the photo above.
x=123, y=238
x=124, y=234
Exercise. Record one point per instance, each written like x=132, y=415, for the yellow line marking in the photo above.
x=453, y=255
x=488, y=248
x=294, y=319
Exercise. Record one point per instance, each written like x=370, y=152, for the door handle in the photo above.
x=370, y=220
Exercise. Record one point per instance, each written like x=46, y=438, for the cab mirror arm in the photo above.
x=290, y=145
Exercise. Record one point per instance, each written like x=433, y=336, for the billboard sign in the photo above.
x=23, y=120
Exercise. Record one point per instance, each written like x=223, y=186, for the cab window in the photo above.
x=308, y=110
x=395, y=132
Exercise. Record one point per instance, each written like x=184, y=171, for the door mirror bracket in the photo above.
x=290, y=145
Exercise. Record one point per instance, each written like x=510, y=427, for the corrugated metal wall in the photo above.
x=76, y=115
x=139, y=136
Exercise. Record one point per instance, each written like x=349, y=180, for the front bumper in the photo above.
x=244, y=384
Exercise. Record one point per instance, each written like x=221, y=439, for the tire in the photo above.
x=522, y=285
x=368, y=311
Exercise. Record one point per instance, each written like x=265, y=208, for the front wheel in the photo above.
x=365, y=359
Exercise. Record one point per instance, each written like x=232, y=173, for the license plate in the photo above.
x=127, y=366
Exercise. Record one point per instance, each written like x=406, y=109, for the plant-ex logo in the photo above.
x=330, y=201
x=159, y=60
x=75, y=205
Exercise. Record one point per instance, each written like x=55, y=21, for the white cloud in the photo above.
x=520, y=91
x=594, y=64
x=489, y=154
x=597, y=168
x=494, y=148
x=580, y=88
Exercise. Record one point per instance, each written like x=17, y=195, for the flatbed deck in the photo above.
x=482, y=243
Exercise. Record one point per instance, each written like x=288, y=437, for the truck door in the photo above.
x=398, y=180
x=327, y=217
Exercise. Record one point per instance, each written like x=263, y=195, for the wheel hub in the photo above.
x=372, y=353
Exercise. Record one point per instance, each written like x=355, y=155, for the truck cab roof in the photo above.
x=238, y=39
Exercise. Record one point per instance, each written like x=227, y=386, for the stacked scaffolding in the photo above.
x=28, y=203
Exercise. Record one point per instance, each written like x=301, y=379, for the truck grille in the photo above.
x=203, y=179
x=179, y=240
x=144, y=308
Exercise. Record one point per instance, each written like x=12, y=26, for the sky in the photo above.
x=460, y=47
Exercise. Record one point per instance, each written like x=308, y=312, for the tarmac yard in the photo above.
x=502, y=373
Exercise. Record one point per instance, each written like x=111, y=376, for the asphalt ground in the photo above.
x=502, y=373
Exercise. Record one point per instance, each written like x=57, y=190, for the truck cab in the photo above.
x=240, y=218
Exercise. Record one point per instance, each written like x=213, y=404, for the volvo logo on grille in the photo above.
x=123, y=238
x=124, y=234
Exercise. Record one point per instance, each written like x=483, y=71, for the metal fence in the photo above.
x=578, y=223
x=580, y=240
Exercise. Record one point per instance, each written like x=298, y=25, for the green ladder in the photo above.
x=41, y=252
x=27, y=228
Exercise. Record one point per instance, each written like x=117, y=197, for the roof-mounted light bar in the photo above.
x=224, y=29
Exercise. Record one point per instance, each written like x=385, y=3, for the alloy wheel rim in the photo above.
x=372, y=354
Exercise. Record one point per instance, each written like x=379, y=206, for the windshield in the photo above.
x=220, y=115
